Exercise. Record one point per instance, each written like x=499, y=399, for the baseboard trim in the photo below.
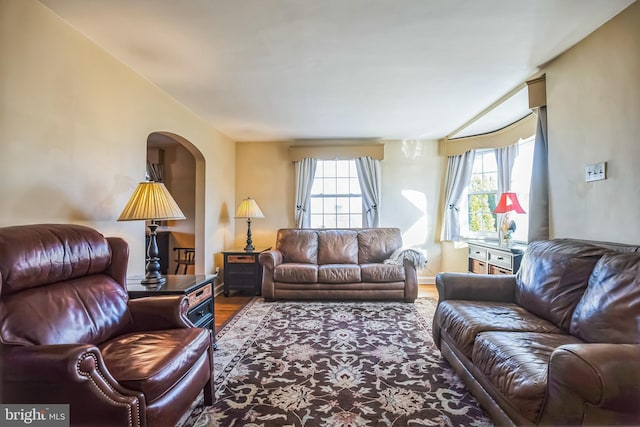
x=426, y=280
x=218, y=289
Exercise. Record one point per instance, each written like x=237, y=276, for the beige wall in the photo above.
x=74, y=124
x=411, y=177
x=593, y=99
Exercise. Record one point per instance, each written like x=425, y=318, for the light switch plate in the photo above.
x=595, y=172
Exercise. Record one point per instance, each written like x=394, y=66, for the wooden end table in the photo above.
x=197, y=287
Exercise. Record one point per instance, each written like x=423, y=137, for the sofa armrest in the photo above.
x=595, y=384
x=476, y=287
x=160, y=312
x=410, y=281
x=269, y=260
x=47, y=374
x=119, y=260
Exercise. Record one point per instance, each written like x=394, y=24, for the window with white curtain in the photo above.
x=336, y=198
x=477, y=219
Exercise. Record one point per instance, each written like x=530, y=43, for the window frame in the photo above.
x=353, y=213
x=523, y=198
x=468, y=194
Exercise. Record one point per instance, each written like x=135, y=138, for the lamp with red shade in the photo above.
x=508, y=203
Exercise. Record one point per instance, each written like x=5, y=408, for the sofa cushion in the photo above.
x=464, y=320
x=553, y=276
x=296, y=245
x=516, y=364
x=153, y=362
x=609, y=310
x=296, y=273
x=339, y=273
x=337, y=247
x=379, y=273
x=35, y=255
x=90, y=309
x=377, y=244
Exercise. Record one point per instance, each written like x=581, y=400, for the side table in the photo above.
x=242, y=271
x=486, y=257
x=197, y=288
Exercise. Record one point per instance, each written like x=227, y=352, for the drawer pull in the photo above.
x=500, y=258
x=244, y=259
x=200, y=295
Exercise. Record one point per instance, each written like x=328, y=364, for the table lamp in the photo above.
x=151, y=201
x=508, y=203
x=249, y=209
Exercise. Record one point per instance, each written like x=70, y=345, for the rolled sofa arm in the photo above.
x=269, y=260
x=593, y=384
x=160, y=312
x=410, y=281
x=476, y=287
x=64, y=373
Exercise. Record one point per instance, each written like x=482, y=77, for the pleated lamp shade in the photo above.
x=249, y=209
x=151, y=201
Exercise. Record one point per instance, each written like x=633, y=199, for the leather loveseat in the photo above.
x=338, y=264
x=556, y=344
x=70, y=335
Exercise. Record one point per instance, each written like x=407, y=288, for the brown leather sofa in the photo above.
x=337, y=264
x=70, y=335
x=557, y=344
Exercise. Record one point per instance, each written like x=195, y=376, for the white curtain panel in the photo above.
x=459, y=170
x=305, y=171
x=370, y=183
x=505, y=158
x=539, y=193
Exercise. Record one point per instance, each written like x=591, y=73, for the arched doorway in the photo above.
x=179, y=164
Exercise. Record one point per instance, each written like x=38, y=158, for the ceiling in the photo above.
x=261, y=70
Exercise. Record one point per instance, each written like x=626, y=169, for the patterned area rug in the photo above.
x=335, y=364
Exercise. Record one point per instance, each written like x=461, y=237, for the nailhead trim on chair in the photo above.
x=97, y=387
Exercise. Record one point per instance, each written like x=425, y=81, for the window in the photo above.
x=336, y=199
x=483, y=193
x=477, y=219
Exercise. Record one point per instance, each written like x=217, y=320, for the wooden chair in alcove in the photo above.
x=185, y=257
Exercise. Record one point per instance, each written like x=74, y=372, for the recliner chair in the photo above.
x=69, y=333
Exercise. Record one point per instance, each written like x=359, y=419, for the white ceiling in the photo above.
x=332, y=69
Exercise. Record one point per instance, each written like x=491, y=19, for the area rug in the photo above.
x=335, y=364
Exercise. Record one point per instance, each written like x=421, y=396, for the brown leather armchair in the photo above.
x=69, y=333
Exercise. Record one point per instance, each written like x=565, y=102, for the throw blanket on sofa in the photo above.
x=400, y=255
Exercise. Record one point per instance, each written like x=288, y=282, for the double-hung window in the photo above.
x=336, y=198
x=477, y=219
x=483, y=194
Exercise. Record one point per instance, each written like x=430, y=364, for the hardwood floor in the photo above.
x=227, y=307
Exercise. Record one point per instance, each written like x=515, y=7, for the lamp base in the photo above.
x=249, y=247
x=153, y=278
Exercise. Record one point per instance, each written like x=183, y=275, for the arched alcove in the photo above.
x=182, y=171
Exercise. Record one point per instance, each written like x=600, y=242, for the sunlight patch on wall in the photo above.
x=415, y=235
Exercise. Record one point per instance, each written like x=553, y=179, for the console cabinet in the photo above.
x=242, y=271
x=491, y=258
